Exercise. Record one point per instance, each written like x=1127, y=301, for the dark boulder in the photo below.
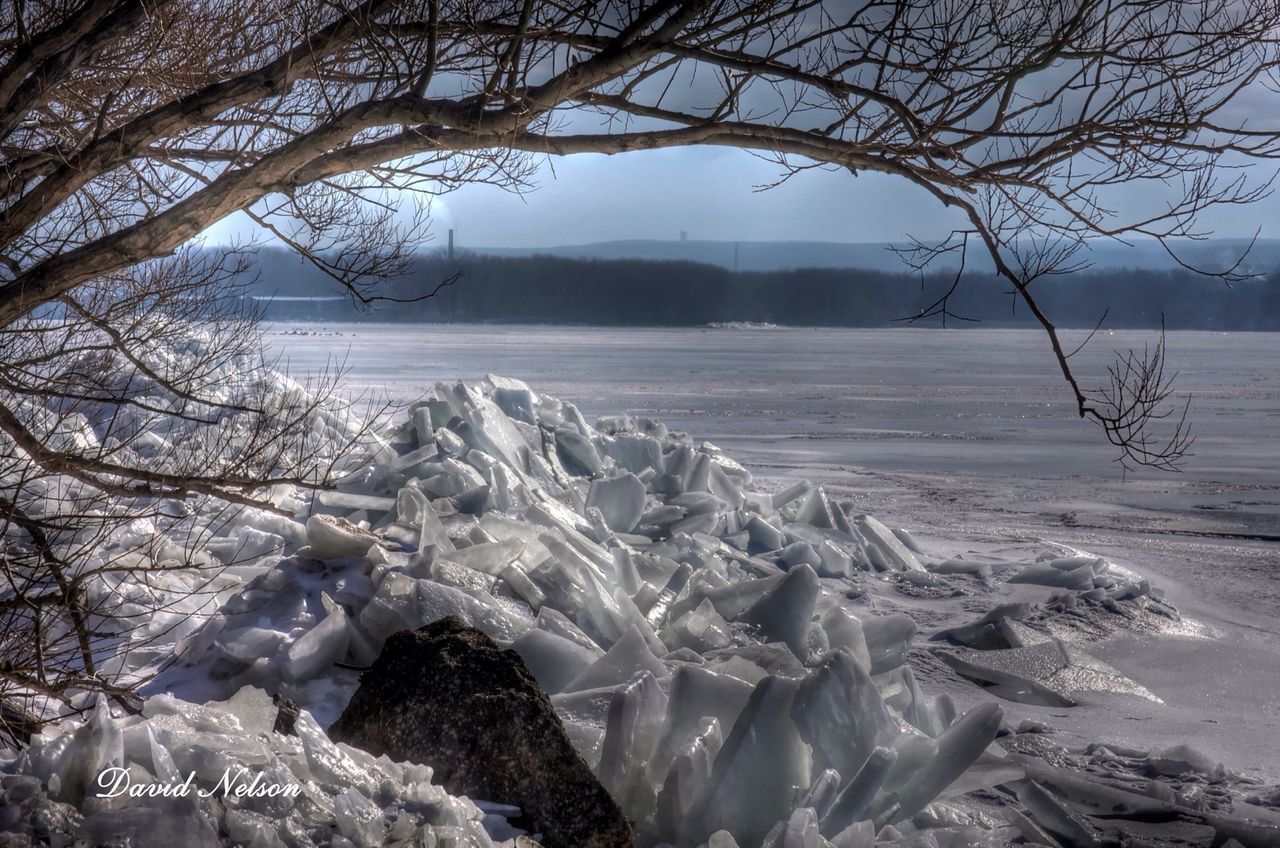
x=286, y=715
x=446, y=696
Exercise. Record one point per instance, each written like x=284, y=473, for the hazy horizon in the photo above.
x=711, y=194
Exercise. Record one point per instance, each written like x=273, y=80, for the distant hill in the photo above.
x=872, y=256
x=574, y=290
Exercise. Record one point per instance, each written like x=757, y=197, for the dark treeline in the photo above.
x=546, y=289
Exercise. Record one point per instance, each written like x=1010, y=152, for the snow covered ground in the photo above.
x=967, y=436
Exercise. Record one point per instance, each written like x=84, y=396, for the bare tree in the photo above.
x=128, y=127
x=139, y=420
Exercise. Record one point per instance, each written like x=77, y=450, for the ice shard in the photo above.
x=897, y=554
x=958, y=747
x=697, y=693
x=851, y=805
x=552, y=659
x=840, y=714
x=1047, y=673
x=888, y=639
x=784, y=614
x=844, y=631
x=620, y=500
x=577, y=452
x=632, y=732
x=629, y=655
x=763, y=764
x=331, y=537
x=490, y=558
x=1045, y=574
x=687, y=776
x=320, y=647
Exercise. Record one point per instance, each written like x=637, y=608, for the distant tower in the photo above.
x=451, y=244
x=735, y=256
x=684, y=235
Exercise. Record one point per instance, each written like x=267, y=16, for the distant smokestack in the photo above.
x=451, y=245
x=684, y=235
x=735, y=256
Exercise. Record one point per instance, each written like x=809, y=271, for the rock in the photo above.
x=446, y=696
x=286, y=715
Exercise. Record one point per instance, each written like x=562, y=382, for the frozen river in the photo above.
x=960, y=430
x=961, y=434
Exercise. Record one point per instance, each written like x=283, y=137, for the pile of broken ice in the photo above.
x=227, y=778
x=694, y=634
x=679, y=619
